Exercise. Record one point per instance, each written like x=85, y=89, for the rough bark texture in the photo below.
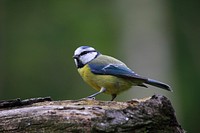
x=150, y=115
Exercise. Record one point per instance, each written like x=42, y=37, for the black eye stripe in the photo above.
x=85, y=52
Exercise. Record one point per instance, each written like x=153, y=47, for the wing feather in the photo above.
x=116, y=70
x=107, y=65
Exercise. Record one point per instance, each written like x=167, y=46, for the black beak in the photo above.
x=75, y=56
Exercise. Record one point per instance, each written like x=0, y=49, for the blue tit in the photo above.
x=107, y=74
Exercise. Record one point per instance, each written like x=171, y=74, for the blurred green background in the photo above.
x=157, y=39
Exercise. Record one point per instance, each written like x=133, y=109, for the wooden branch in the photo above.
x=150, y=115
x=19, y=102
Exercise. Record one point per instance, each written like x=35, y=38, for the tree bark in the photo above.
x=149, y=115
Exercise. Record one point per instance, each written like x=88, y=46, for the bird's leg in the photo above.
x=113, y=97
x=101, y=91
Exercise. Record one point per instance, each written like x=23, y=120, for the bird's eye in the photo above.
x=85, y=52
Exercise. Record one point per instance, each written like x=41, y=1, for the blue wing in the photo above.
x=121, y=70
x=114, y=69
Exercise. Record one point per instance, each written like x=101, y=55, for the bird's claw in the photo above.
x=90, y=98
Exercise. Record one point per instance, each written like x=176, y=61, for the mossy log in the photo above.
x=149, y=115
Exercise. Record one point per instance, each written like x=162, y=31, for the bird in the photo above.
x=107, y=74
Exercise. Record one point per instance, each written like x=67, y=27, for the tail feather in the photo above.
x=158, y=84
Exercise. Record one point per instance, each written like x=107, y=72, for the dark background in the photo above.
x=158, y=39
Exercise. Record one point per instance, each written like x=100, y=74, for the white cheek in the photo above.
x=76, y=62
x=88, y=57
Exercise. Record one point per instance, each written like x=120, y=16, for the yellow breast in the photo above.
x=113, y=84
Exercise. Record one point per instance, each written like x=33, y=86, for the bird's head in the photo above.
x=83, y=55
